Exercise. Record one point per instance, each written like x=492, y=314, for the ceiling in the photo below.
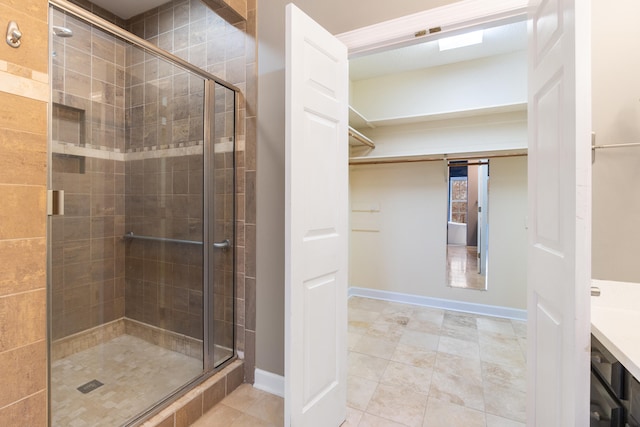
x=496, y=40
x=126, y=9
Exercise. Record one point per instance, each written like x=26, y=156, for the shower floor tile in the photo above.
x=135, y=374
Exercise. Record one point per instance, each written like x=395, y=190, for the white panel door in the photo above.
x=316, y=218
x=559, y=266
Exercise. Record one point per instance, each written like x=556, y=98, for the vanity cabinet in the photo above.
x=607, y=388
x=615, y=393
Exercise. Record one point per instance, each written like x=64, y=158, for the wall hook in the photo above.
x=13, y=34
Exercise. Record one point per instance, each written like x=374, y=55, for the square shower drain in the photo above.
x=90, y=386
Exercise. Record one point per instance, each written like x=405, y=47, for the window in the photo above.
x=458, y=199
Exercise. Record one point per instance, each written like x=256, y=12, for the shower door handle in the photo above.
x=225, y=244
x=55, y=202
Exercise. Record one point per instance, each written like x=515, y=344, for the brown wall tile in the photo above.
x=15, y=383
x=213, y=395
x=33, y=50
x=189, y=413
x=224, y=8
x=249, y=251
x=22, y=319
x=22, y=114
x=250, y=202
x=24, y=158
x=250, y=351
x=235, y=378
x=35, y=8
x=31, y=411
x=23, y=266
x=167, y=422
x=250, y=303
x=23, y=213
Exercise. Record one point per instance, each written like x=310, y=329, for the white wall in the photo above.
x=408, y=252
x=337, y=16
x=616, y=119
x=481, y=83
x=507, y=233
x=495, y=132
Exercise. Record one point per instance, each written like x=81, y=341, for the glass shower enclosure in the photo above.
x=141, y=230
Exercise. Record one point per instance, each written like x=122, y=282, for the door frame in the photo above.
x=444, y=21
x=448, y=20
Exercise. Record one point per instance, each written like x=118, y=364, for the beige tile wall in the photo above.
x=24, y=93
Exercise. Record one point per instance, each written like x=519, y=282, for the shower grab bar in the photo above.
x=226, y=243
x=130, y=235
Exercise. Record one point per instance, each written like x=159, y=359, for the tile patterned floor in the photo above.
x=245, y=407
x=422, y=367
x=135, y=374
x=413, y=366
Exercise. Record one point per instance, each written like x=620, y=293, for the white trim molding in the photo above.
x=269, y=382
x=445, y=304
x=454, y=17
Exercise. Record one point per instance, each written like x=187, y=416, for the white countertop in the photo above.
x=615, y=321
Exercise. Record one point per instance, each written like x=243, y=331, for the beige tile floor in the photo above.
x=413, y=366
x=462, y=268
x=245, y=407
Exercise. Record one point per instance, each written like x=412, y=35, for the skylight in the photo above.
x=462, y=40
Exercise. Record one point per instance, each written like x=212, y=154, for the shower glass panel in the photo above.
x=222, y=204
x=144, y=153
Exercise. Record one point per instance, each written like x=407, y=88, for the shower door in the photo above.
x=142, y=160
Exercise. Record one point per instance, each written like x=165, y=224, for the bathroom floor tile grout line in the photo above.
x=439, y=408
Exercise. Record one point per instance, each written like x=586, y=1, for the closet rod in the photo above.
x=382, y=162
x=361, y=138
x=629, y=144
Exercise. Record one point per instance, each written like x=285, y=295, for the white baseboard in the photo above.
x=269, y=382
x=445, y=304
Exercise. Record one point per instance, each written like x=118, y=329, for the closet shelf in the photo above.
x=429, y=157
x=445, y=115
x=357, y=120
